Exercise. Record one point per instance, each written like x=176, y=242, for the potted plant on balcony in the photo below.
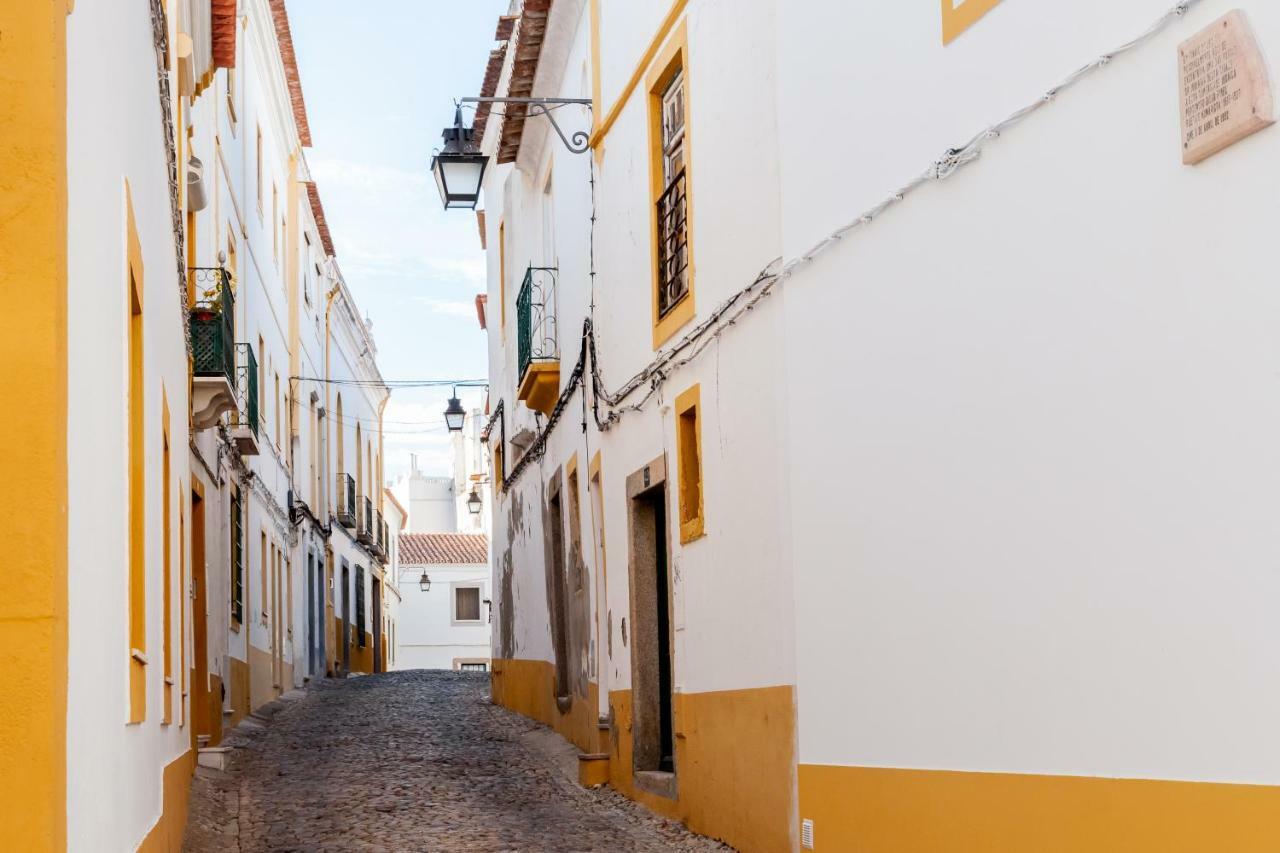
x=209, y=305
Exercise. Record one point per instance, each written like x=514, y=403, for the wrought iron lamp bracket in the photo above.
x=578, y=142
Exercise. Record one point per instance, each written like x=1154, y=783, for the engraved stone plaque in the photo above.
x=1225, y=92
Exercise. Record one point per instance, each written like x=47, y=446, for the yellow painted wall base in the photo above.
x=735, y=764
x=239, y=672
x=878, y=809
x=528, y=687
x=213, y=711
x=166, y=835
x=593, y=769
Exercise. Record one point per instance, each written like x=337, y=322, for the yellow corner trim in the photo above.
x=637, y=74
x=959, y=15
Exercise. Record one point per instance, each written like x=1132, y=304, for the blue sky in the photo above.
x=379, y=85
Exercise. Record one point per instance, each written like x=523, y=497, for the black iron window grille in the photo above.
x=360, y=617
x=346, y=500
x=536, y=318
x=237, y=558
x=673, y=245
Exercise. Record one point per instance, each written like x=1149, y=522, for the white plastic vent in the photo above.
x=806, y=834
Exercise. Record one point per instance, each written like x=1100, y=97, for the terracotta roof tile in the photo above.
x=488, y=86
x=223, y=28
x=466, y=549
x=317, y=210
x=285, y=37
x=528, y=48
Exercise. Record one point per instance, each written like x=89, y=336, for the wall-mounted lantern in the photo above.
x=424, y=582
x=454, y=414
x=459, y=166
x=474, y=503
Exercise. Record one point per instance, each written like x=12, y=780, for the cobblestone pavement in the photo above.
x=409, y=761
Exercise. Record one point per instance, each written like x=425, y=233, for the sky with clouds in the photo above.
x=379, y=78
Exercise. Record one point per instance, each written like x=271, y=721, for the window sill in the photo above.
x=138, y=655
x=664, y=328
x=692, y=530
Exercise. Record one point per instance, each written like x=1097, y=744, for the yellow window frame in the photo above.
x=672, y=59
x=688, y=423
x=959, y=15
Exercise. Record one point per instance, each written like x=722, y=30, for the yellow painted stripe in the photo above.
x=873, y=809
x=33, y=504
x=638, y=73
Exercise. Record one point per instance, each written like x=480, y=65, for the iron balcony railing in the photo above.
x=346, y=500
x=536, y=318
x=673, y=245
x=246, y=414
x=364, y=529
x=380, y=531
x=213, y=332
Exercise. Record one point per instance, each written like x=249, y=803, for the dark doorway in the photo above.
x=377, y=624
x=346, y=618
x=559, y=605
x=311, y=614
x=318, y=603
x=205, y=707
x=654, y=742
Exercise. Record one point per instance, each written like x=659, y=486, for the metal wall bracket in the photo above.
x=577, y=143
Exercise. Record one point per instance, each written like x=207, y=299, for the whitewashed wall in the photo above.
x=738, y=567
x=114, y=137
x=1032, y=514
x=427, y=637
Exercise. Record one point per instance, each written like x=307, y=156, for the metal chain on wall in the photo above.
x=727, y=314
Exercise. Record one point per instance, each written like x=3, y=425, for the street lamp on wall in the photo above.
x=474, y=503
x=459, y=166
x=424, y=582
x=454, y=414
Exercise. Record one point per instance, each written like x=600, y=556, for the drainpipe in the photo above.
x=329, y=416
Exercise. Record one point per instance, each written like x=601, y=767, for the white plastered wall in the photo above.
x=1037, y=533
x=113, y=138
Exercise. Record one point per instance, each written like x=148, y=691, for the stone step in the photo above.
x=593, y=769
x=214, y=757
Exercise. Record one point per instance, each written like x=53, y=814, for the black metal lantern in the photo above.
x=474, y=503
x=459, y=166
x=424, y=582
x=454, y=414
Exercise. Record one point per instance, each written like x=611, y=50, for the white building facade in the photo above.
x=443, y=618
x=1008, y=590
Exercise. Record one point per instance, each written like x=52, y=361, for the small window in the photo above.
x=673, y=262
x=466, y=603
x=232, y=116
x=259, y=173
x=473, y=667
x=689, y=460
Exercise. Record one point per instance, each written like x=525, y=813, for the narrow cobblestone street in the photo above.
x=410, y=761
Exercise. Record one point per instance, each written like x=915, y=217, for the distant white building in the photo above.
x=444, y=602
x=429, y=501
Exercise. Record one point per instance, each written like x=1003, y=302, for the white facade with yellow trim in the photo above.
x=973, y=554
x=131, y=217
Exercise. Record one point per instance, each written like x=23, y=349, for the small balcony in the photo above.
x=539, y=347
x=212, y=346
x=243, y=423
x=346, y=501
x=364, y=521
